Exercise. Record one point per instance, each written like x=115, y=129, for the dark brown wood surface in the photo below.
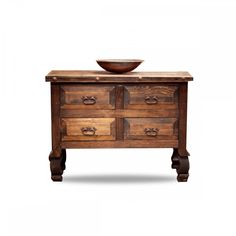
x=55, y=120
x=88, y=129
x=122, y=144
x=183, y=94
x=150, y=97
x=137, y=128
x=87, y=97
x=160, y=112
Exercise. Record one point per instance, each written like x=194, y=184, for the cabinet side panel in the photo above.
x=183, y=94
x=55, y=119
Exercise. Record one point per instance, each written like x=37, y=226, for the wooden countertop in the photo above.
x=91, y=76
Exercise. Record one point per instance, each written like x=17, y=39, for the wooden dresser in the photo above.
x=97, y=109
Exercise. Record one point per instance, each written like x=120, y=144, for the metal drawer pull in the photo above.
x=89, y=100
x=88, y=131
x=151, y=131
x=151, y=100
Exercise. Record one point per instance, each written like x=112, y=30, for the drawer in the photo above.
x=150, y=128
x=151, y=97
x=87, y=97
x=76, y=129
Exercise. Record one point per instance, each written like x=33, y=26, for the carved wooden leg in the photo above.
x=63, y=160
x=175, y=159
x=183, y=169
x=56, y=167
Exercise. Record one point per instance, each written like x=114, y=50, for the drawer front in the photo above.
x=151, y=97
x=87, y=97
x=150, y=128
x=76, y=129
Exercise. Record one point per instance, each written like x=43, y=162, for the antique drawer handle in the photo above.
x=151, y=100
x=151, y=131
x=89, y=100
x=88, y=131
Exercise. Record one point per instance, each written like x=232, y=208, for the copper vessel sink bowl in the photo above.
x=119, y=65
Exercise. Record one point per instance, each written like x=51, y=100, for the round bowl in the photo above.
x=119, y=65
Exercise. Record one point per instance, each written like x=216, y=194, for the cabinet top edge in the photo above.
x=103, y=76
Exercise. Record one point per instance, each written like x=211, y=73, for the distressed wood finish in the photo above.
x=183, y=93
x=87, y=97
x=120, y=113
x=151, y=97
x=97, y=109
x=55, y=120
x=84, y=76
x=119, y=118
x=88, y=129
x=151, y=128
x=123, y=144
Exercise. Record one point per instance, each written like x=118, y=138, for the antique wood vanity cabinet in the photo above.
x=97, y=109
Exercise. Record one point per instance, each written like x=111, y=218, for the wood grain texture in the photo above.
x=55, y=120
x=79, y=97
x=183, y=93
x=119, y=97
x=135, y=128
x=84, y=76
x=122, y=144
x=97, y=109
x=119, y=113
x=119, y=128
x=78, y=129
x=150, y=97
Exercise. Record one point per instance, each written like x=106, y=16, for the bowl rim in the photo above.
x=119, y=60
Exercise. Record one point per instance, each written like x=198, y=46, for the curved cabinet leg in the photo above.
x=56, y=170
x=175, y=159
x=183, y=169
x=57, y=165
x=63, y=159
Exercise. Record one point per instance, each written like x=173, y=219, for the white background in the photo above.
x=117, y=191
